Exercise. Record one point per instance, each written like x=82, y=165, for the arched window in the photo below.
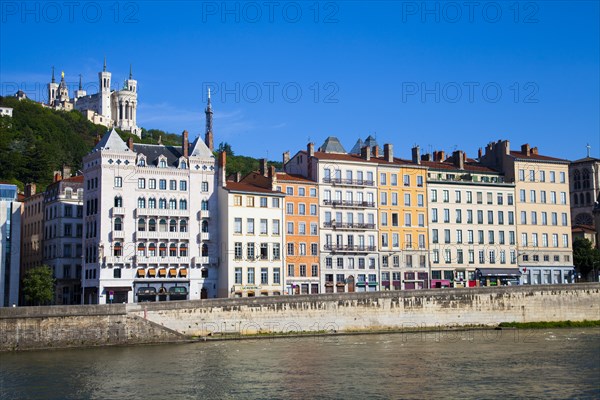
x=204, y=250
x=152, y=225
x=588, y=198
x=577, y=179
x=118, y=224
x=183, y=165
x=575, y=199
x=204, y=205
x=151, y=202
x=162, y=225
x=162, y=250
x=142, y=162
x=172, y=250
x=141, y=202
x=141, y=224
x=183, y=251
x=586, y=178
x=162, y=163
x=183, y=204
x=204, y=226
x=141, y=250
x=152, y=250
x=118, y=201
x=68, y=193
x=172, y=204
x=183, y=226
x=162, y=204
x=172, y=226
x=581, y=198
x=117, y=249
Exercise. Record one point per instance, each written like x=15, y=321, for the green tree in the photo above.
x=38, y=285
x=225, y=147
x=585, y=257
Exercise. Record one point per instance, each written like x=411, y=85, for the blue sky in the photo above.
x=444, y=75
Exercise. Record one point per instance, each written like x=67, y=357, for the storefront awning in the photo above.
x=141, y=272
x=511, y=272
x=172, y=272
x=183, y=272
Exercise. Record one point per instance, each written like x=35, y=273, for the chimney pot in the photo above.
x=238, y=176
x=286, y=158
x=130, y=143
x=375, y=151
x=416, y=155
x=310, y=149
x=263, y=166
x=365, y=153
x=525, y=149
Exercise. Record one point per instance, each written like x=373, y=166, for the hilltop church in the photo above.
x=111, y=108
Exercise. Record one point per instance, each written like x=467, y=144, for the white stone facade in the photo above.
x=10, y=244
x=149, y=222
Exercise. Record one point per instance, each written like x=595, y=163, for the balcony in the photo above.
x=116, y=260
x=206, y=260
x=349, y=203
x=117, y=235
x=348, y=182
x=148, y=235
x=342, y=226
x=161, y=260
x=118, y=211
x=203, y=214
x=161, y=212
x=334, y=248
x=204, y=236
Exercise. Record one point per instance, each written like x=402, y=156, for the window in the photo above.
x=275, y=227
x=250, y=226
x=118, y=203
x=204, y=187
x=522, y=196
x=276, y=251
x=457, y=196
x=172, y=184
x=276, y=275
x=250, y=251
x=301, y=228
x=407, y=219
x=237, y=225
x=118, y=181
x=565, y=238
x=509, y=199
x=141, y=183
x=433, y=195
x=263, y=202
x=264, y=230
x=407, y=199
x=562, y=177
x=532, y=196
x=446, y=195
x=434, y=236
x=183, y=204
x=521, y=175
x=419, y=181
x=406, y=180
x=382, y=179
x=251, y=275
x=118, y=224
x=446, y=235
x=434, y=215
x=446, y=215
x=264, y=276
x=469, y=197
x=238, y=276
x=162, y=184
x=152, y=183
x=290, y=228
x=162, y=204
x=183, y=186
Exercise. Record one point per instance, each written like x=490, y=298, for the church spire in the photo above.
x=104, y=68
x=130, y=74
x=208, y=137
x=80, y=85
x=53, y=80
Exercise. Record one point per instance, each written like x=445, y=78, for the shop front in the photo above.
x=497, y=276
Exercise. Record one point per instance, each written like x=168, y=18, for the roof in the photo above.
x=583, y=228
x=357, y=146
x=248, y=187
x=285, y=177
x=539, y=157
x=586, y=159
x=371, y=142
x=153, y=151
x=470, y=166
x=199, y=149
x=111, y=141
x=332, y=145
x=75, y=179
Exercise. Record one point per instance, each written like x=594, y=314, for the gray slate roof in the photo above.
x=111, y=141
x=332, y=145
x=359, y=145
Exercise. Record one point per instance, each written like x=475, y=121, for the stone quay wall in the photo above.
x=82, y=326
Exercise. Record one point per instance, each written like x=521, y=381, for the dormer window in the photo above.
x=141, y=161
x=162, y=162
x=183, y=165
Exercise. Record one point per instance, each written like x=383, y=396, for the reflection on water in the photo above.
x=562, y=363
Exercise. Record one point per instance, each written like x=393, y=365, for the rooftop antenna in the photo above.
x=588, y=149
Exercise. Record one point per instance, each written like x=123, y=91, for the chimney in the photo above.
x=426, y=157
x=66, y=172
x=130, y=143
x=525, y=149
x=388, y=152
x=271, y=174
x=310, y=149
x=57, y=176
x=479, y=153
x=286, y=158
x=238, y=176
x=185, y=144
x=209, y=141
x=365, y=153
x=442, y=155
x=30, y=189
x=375, y=151
x=222, y=165
x=534, y=150
x=458, y=159
x=263, y=166
x=416, y=155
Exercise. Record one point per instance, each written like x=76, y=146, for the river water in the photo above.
x=560, y=363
